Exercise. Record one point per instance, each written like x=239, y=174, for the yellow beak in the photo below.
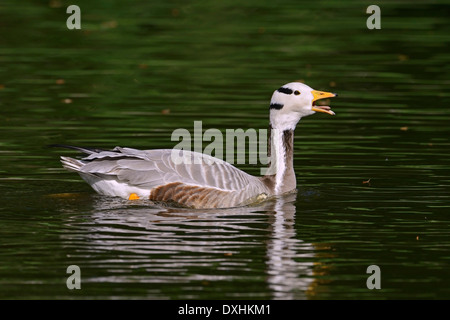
x=322, y=95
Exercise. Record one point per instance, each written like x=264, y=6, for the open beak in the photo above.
x=322, y=95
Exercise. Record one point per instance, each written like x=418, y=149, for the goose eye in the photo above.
x=296, y=92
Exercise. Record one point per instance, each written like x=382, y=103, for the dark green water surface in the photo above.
x=374, y=180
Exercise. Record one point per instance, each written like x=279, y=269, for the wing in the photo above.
x=148, y=169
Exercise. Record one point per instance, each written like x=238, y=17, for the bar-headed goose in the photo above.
x=201, y=181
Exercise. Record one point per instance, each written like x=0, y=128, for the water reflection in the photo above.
x=289, y=277
x=123, y=242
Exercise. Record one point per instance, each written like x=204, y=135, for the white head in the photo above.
x=293, y=101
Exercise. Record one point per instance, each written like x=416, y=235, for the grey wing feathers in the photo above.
x=151, y=168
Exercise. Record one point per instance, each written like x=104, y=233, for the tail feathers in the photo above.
x=71, y=164
x=84, y=150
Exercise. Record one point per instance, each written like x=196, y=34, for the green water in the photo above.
x=136, y=71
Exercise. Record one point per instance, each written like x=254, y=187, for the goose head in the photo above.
x=294, y=101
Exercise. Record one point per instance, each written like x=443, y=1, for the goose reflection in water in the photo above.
x=137, y=242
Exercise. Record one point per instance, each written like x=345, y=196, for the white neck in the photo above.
x=280, y=158
x=281, y=165
x=282, y=121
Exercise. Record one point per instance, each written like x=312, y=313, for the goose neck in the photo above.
x=281, y=154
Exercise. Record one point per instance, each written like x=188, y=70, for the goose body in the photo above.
x=152, y=174
x=199, y=180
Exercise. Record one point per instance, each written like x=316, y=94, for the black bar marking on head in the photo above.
x=277, y=106
x=285, y=90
